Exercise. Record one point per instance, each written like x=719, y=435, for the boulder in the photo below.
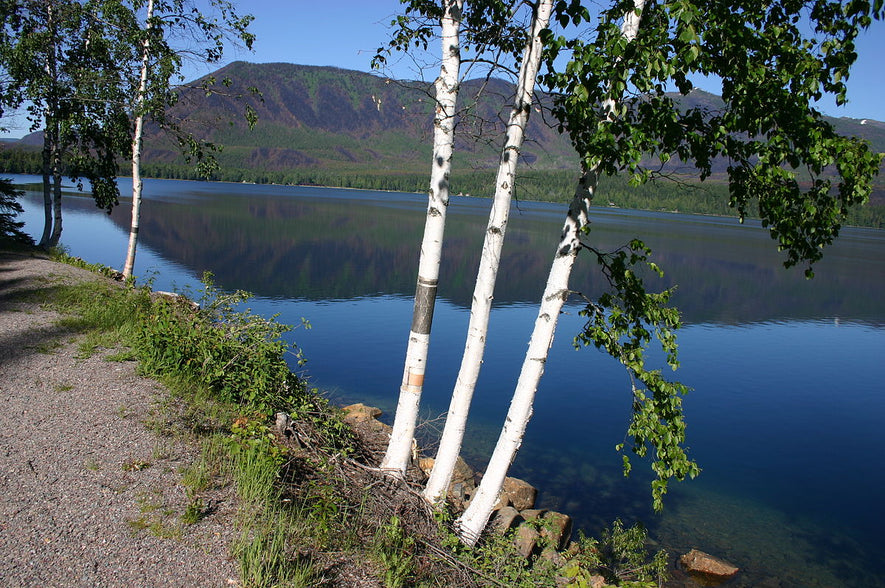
x=526, y=540
x=553, y=556
x=360, y=413
x=425, y=464
x=531, y=514
x=519, y=493
x=504, y=519
x=698, y=562
x=463, y=473
x=557, y=529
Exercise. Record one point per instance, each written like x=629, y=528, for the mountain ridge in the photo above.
x=319, y=124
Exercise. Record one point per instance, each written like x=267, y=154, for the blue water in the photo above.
x=787, y=375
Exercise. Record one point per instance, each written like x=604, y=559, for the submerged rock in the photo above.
x=699, y=563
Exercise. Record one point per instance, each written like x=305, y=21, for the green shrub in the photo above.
x=237, y=355
x=394, y=551
x=620, y=556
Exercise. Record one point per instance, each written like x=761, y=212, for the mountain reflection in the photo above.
x=336, y=244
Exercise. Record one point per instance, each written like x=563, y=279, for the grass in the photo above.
x=311, y=513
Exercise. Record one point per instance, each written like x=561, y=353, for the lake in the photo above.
x=785, y=417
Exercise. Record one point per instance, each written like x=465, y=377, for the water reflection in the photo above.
x=344, y=244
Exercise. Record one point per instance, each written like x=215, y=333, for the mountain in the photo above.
x=325, y=120
x=324, y=125
x=333, y=119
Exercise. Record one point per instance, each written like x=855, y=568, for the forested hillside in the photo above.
x=329, y=126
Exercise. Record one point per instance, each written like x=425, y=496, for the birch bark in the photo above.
x=399, y=449
x=47, y=191
x=474, y=519
x=51, y=140
x=137, y=147
x=456, y=420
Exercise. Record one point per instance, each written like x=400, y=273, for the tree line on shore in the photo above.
x=710, y=198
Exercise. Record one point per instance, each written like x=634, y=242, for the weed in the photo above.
x=162, y=450
x=194, y=511
x=63, y=387
x=199, y=475
x=149, y=501
x=263, y=554
x=91, y=465
x=135, y=465
x=394, y=551
x=46, y=347
x=126, y=354
x=620, y=556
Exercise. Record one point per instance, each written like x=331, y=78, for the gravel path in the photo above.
x=89, y=496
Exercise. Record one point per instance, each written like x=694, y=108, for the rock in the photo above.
x=360, y=413
x=557, y=529
x=553, y=556
x=504, y=519
x=526, y=540
x=378, y=427
x=463, y=473
x=425, y=464
x=531, y=514
x=698, y=562
x=519, y=493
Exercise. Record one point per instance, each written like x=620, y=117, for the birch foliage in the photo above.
x=613, y=100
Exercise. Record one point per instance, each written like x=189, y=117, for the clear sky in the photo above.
x=345, y=33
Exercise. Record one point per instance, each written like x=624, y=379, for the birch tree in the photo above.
x=484, y=23
x=51, y=54
x=396, y=458
x=137, y=137
x=613, y=103
x=483, y=294
x=159, y=62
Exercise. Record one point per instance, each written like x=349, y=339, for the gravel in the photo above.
x=89, y=495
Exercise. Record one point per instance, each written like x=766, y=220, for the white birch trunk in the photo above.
x=459, y=407
x=399, y=449
x=51, y=141
x=136, y=150
x=56, y=195
x=47, y=192
x=474, y=519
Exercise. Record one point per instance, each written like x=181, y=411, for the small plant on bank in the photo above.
x=620, y=556
x=394, y=551
x=238, y=355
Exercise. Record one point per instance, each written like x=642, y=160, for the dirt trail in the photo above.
x=89, y=496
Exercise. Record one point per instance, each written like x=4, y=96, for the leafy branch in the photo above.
x=622, y=322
